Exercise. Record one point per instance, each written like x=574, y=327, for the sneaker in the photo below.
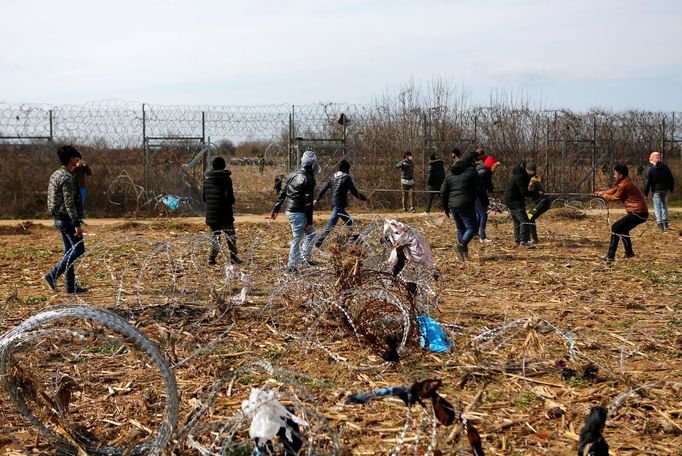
x=606, y=258
x=459, y=249
x=629, y=255
x=412, y=210
x=526, y=245
x=78, y=290
x=485, y=241
x=50, y=282
x=290, y=270
x=211, y=261
x=311, y=263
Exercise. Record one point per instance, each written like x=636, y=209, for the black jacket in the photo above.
x=341, y=183
x=406, y=169
x=486, y=176
x=659, y=179
x=435, y=174
x=299, y=190
x=218, y=196
x=517, y=188
x=461, y=187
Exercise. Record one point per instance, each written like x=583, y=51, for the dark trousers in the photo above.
x=433, y=193
x=481, y=217
x=540, y=208
x=465, y=219
x=337, y=213
x=521, y=224
x=217, y=230
x=73, y=249
x=621, y=230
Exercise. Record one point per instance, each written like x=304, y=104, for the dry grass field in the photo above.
x=316, y=337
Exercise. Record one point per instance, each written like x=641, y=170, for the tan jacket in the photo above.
x=631, y=196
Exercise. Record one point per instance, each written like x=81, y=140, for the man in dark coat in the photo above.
x=299, y=191
x=219, y=198
x=515, y=199
x=340, y=184
x=435, y=175
x=660, y=181
x=459, y=191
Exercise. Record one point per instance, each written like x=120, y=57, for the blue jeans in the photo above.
x=481, y=217
x=84, y=192
x=298, y=253
x=337, y=213
x=661, y=206
x=465, y=219
x=73, y=249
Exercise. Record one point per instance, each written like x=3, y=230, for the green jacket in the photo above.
x=63, y=198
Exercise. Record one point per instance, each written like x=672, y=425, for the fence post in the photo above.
x=594, y=152
x=145, y=159
x=51, y=135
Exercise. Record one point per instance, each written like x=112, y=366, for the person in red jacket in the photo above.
x=637, y=212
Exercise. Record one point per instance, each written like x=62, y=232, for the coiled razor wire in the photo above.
x=28, y=330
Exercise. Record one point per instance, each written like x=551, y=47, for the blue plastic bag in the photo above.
x=432, y=335
x=171, y=202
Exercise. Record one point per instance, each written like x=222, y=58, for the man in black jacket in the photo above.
x=458, y=193
x=407, y=181
x=515, y=199
x=660, y=181
x=435, y=175
x=299, y=190
x=341, y=183
x=219, y=198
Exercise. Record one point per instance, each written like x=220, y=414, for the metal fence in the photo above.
x=574, y=151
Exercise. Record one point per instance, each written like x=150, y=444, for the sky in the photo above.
x=612, y=54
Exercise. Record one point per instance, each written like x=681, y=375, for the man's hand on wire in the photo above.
x=273, y=216
x=79, y=232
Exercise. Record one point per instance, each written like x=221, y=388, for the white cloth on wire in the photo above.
x=268, y=415
x=415, y=246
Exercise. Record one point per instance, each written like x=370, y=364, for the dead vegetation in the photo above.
x=539, y=337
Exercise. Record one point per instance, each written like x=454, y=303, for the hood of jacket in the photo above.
x=459, y=167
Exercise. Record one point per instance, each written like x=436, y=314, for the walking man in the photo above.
x=407, y=181
x=65, y=206
x=458, y=193
x=218, y=195
x=340, y=183
x=660, y=181
x=635, y=205
x=299, y=190
x=435, y=175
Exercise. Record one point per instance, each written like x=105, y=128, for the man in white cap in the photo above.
x=299, y=190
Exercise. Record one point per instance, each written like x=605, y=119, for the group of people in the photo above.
x=464, y=193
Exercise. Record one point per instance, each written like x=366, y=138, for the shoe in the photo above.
x=412, y=210
x=404, y=209
x=526, y=245
x=485, y=241
x=661, y=227
x=211, y=261
x=290, y=270
x=466, y=252
x=606, y=258
x=235, y=260
x=78, y=290
x=459, y=249
x=535, y=241
x=311, y=263
x=50, y=282
x=629, y=255
x=318, y=245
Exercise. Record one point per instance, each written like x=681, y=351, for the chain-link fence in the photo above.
x=142, y=152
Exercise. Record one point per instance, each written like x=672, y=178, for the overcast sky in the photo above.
x=615, y=54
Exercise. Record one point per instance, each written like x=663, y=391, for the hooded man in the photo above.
x=660, y=181
x=299, y=191
x=219, y=198
x=340, y=183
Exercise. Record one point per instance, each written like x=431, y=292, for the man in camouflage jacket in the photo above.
x=65, y=206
